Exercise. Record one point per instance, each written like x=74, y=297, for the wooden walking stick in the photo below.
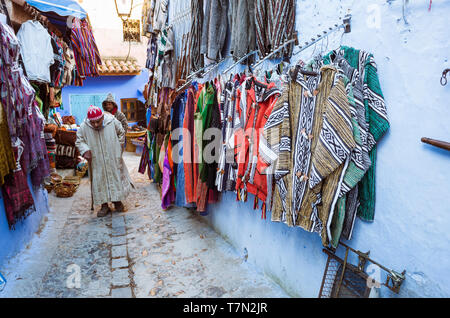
x=90, y=180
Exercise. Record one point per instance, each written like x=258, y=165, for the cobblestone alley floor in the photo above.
x=144, y=252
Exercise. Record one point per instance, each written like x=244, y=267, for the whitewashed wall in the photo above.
x=108, y=28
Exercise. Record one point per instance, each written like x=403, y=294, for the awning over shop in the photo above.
x=61, y=7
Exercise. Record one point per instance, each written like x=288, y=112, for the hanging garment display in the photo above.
x=189, y=150
x=17, y=197
x=243, y=36
x=377, y=119
x=275, y=24
x=302, y=144
x=35, y=153
x=227, y=172
x=69, y=65
x=195, y=38
x=87, y=56
x=255, y=107
x=7, y=160
x=160, y=14
x=214, y=29
x=308, y=184
x=58, y=67
x=167, y=66
x=152, y=52
x=179, y=108
x=168, y=193
x=147, y=17
x=26, y=130
x=202, y=119
x=37, y=50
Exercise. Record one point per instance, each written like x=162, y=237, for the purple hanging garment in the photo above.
x=168, y=194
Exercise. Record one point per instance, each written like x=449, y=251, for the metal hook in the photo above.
x=444, y=77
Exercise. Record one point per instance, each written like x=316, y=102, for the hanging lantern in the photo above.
x=124, y=8
x=132, y=30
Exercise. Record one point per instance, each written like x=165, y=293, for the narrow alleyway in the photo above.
x=144, y=252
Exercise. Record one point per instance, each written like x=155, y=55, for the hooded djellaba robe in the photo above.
x=110, y=179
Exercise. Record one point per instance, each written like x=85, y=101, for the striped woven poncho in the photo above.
x=376, y=117
x=86, y=53
x=275, y=24
x=310, y=132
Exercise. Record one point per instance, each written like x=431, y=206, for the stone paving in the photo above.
x=144, y=252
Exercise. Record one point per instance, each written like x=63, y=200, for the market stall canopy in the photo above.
x=61, y=7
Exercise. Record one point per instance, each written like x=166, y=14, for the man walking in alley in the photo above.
x=110, y=106
x=100, y=140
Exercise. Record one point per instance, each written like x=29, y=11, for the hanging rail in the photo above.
x=199, y=71
x=216, y=65
x=272, y=53
x=346, y=25
x=189, y=78
x=240, y=60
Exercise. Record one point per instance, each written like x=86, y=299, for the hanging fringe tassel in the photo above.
x=264, y=215
x=256, y=203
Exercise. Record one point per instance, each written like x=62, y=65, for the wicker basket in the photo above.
x=49, y=187
x=132, y=135
x=72, y=181
x=81, y=173
x=56, y=178
x=52, y=181
x=63, y=190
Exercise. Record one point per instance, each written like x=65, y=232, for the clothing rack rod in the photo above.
x=184, y=86
x=326, y=34
x=240, y=60
x=199, y=71
x=196, y=72
x=212, y=66
x=273, y=53
x=307, y=44
x=216, y=65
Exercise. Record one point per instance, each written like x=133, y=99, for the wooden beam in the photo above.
x=437, y=143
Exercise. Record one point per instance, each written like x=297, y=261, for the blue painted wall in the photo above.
x=13, y=241
x=412, y=220
x=120, y=86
